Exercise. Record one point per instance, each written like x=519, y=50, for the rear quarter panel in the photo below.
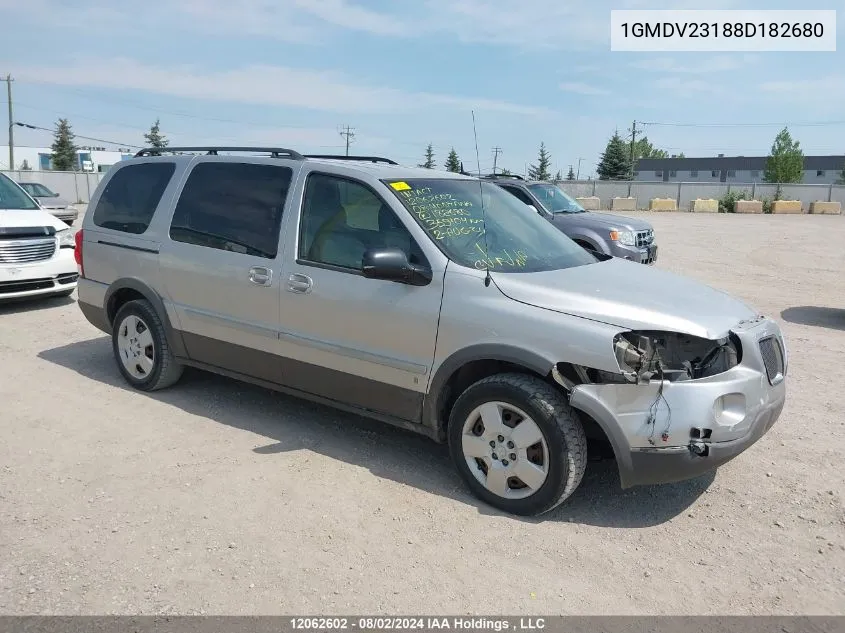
x=106, y=263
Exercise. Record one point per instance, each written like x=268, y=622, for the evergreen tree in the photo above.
x=558, y=176
x=64, y=149
x=429, y=158
x=615, y=163
x=505, y=172
x=841, y=180
x=786, y=160
x=155, y=138
x=571, y=174
x=453, y=163
x=540, y=171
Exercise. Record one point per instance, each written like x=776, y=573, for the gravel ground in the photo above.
x=222, y=498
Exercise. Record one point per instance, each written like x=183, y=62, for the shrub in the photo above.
x=727, y=203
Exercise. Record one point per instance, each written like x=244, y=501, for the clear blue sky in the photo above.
x=404, y=73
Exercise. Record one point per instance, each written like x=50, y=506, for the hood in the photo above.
x=11, y=218
x=53, y=202
x=631, y=296
x=605, y=219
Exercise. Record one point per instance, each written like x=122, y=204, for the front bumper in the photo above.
x=51, y=276
x=69, y=215
x=698, y=425
x=640, y=254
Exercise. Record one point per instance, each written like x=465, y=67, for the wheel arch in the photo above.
x=131, y=288
x=467, y=366
x=590, y=240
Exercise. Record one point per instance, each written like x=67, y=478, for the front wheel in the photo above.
x=517, y=443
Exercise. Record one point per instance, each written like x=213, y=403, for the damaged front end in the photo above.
x=673, y=356
x=680, y=404
x=644, y=356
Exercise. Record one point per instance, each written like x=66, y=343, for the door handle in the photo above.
x=299, y=283
x=260, y=276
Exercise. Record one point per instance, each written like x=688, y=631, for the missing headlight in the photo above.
x=673, y=356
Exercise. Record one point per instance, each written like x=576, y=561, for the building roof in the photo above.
x=736, y=163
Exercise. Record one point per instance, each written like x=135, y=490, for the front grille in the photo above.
x=645, y=238
x=27, y=250
x=8, y=287
x=772, y=353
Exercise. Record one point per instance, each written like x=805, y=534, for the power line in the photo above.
x=349, y=134
x=87, y=138
x=158, y=110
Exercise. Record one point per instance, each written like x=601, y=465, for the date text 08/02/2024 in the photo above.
x=423, y=623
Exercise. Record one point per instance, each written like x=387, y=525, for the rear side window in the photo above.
x=523, y=197
x=233, y=207
x=131, y=196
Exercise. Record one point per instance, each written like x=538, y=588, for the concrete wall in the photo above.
x=686, y=192
x=73, y=186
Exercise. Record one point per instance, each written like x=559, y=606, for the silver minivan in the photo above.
x=434, y=301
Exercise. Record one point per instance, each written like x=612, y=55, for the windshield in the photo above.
x=555, y=199
x=36, y=189
x=13, y=197
x=516, y=238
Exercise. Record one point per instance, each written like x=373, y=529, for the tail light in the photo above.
x=77, y=252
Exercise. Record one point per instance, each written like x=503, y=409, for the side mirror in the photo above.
x=55, y=195
x=391, y=264
x=533, y=208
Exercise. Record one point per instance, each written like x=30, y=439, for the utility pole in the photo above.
x=578, y=175
x=496, y=152
x=633, y=146
x=349, y=134
x=9, y=81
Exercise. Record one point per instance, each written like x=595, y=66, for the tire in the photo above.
x=152, y=352
x=561, y=439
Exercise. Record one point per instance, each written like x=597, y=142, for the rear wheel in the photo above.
x=141, y=349
x=517, y=444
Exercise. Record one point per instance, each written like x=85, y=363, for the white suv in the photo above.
x=36, y=248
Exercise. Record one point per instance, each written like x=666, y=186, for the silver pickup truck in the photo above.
x=605, y=233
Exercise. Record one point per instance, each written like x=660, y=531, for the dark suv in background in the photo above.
x=627, y=238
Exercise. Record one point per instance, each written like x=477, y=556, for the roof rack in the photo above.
x=368, y=159
x=275, y=152
x=494, y=176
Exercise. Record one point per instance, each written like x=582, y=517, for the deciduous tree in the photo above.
x=786, y=160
